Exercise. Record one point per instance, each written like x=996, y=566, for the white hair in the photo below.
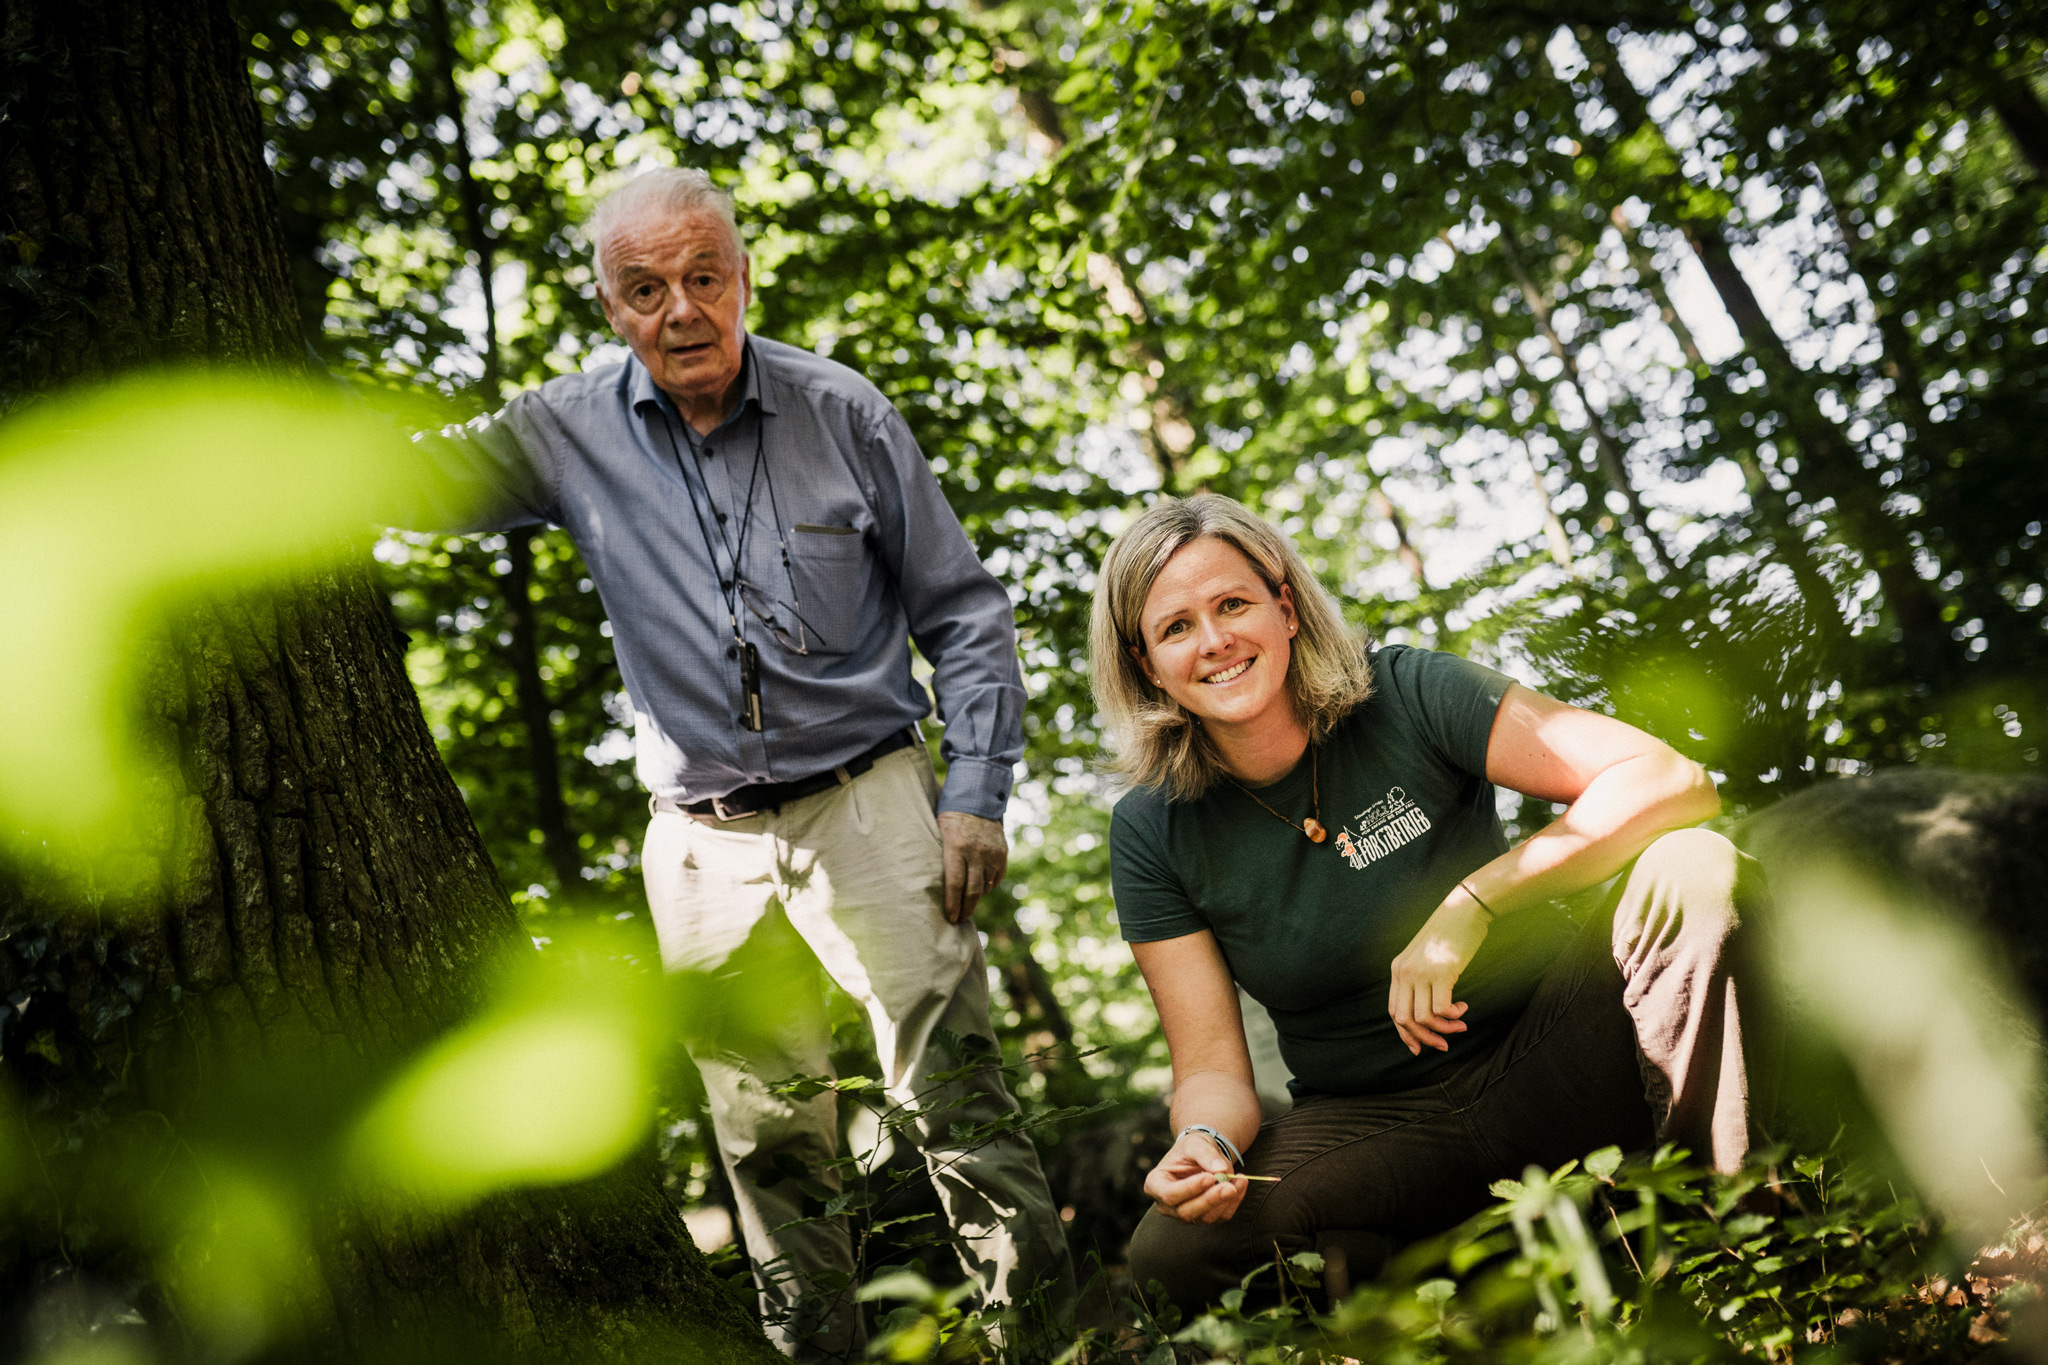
x=669, y=190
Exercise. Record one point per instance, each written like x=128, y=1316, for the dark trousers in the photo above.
x=1634, y=1035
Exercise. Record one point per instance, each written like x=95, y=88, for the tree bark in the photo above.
x=310, y=885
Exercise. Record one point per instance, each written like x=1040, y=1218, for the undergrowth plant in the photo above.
x=932, y=1322
x=1648, y=1258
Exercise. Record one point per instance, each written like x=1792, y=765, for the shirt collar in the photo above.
x=754, y=387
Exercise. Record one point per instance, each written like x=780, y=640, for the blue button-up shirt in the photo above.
x=876, y=559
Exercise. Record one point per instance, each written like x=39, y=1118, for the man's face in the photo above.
x=675, y=288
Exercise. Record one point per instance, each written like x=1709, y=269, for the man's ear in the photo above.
x=746, y=281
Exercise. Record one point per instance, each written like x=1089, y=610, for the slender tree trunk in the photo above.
x=1553, y=528
x=1901, y=364
x=317, y=888
x=1613, y=460
x=2025, y=120
x=1764, y=496
x=1024, y=978
x=1170, y=433
x=1410, y=557
x=475, y=231
x=536, y=711
x=1830, y=466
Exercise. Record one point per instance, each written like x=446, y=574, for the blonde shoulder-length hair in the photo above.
x=1154, y=741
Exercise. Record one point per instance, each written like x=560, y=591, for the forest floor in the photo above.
x=1641, y=1261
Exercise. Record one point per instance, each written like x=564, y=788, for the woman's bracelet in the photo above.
x=1467, y=889
x=1223, y=1144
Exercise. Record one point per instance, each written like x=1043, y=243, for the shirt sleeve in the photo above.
x=960, y=617
x=488, y=474
x=1453, y=700
x=1151, y=901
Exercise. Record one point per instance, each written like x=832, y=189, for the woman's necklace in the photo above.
x=1313, y=826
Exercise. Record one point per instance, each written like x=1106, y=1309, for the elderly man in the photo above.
x=768, y=540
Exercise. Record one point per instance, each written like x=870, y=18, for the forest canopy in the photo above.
x=1678, y=359
x=1683, y=361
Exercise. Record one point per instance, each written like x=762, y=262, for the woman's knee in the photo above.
x=1696, y=855
x=1700, y=869
x=1190, y=1262
x=1684, y=896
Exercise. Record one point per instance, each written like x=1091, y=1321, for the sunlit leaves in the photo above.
x=121, y=500
x=553, y=1083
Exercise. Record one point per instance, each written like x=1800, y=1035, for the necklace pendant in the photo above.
x=1313, y=828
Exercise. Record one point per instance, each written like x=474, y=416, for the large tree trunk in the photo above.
x=318, y=890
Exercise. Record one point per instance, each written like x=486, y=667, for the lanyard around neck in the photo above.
x=729, y=589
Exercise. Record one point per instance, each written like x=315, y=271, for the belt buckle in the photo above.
x=724, y=816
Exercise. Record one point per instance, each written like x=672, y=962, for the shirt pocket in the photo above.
x=829, y=564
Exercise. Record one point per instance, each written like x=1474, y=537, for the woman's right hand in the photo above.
x=1186, y=1185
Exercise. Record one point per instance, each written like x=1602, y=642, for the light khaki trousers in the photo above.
x=850, y=879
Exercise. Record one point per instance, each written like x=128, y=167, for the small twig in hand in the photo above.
x=1224, y=1178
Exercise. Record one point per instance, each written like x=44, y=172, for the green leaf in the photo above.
x=897, y=1284
x=1075, y=86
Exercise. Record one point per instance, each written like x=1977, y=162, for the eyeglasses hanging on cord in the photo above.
x=737, y=590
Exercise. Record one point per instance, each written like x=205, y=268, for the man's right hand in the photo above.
x=1185, y=1184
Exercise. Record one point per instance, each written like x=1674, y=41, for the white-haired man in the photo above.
x=767, y=540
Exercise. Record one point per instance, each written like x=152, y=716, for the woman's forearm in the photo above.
x=1224, y=1102
x=1615, y=818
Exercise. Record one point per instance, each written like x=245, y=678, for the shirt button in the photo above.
x=711, y=452
x=732, y=651
x=721, y=518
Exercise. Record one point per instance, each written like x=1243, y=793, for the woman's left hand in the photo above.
x=1420, y=997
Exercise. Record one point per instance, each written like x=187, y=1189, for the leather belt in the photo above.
x=752, y=800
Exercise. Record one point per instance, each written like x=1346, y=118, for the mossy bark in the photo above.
x=307, y=892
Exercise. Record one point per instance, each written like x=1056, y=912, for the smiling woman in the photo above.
x=1439, y=1041
x=1186, y=576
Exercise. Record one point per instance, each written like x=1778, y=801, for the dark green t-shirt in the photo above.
x=1311, y=930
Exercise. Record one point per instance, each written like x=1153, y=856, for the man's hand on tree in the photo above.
x=977, y=855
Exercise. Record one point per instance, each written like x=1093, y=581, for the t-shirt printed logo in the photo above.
x=1387, y=824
